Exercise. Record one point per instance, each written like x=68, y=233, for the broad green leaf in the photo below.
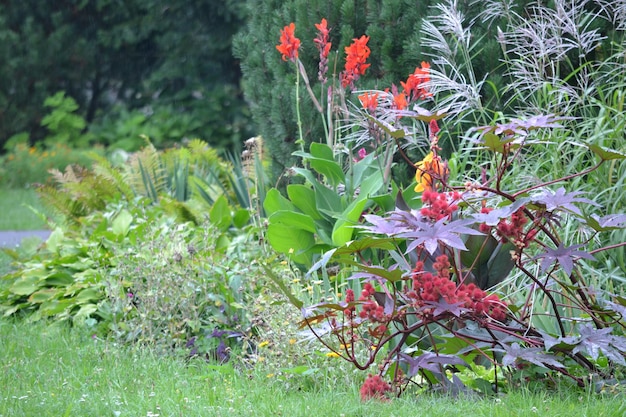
x=88, y=294
x=222, y=243
x=43, y=295
x=303, y=197
x=26, y=285
x=368, y=242
x=293, y=220
x=274, y=201
x=329, y=169
x=358, y=171
x=321, y=151
x=220, y=213
x=293, y=242
x=606, y=154
x=59, y=279
x=326, y=200
x=84, y=312
x=55, y=240
x=344, y=227
x=54, y=306
x=371, y=184
x=241, y=218
x=121, y=223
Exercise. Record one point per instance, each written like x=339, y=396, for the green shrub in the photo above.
x=26, y=165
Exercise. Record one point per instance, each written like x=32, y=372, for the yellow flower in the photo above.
x=332, y=355
x=270, y=375
x=430, y=165
x=292, y=341
x=263, y=344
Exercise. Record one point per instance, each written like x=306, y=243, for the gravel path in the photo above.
x=12, y=238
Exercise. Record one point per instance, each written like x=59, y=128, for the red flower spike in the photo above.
x=356, y=55
x=414, y=87
x=289, y=44
x=323, y=45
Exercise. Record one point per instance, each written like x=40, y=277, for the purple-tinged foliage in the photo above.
x=562, y=200
x=535, y=355
x=430, y=361
x=565, y=256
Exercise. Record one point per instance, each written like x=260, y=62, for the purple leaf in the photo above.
x=448, y=234
x=564, y=256
x=430, y=361
x=593, y=341
x=442, y=306
x=561, y=200
x=536, y=356
x=494, y=216
x=612, y=220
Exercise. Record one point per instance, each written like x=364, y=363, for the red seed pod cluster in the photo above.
x=374, y=387
x=371, y=309
x=429, y=287
x=438, y=205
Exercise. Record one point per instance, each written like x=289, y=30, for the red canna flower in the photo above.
x=369, y=101
x=322, y=44
x=356, y=55
x=289, y=44
x=399, y=101
x=414, y=87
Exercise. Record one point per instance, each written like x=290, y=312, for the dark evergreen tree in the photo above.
x=111, y=55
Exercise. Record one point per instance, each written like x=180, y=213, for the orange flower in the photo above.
x=322, y=44
x=356, y=55
x=369, y=101
x=428, y=167
x=414, y=86
x=399, y=101
x=289, y=44
x=321, y=41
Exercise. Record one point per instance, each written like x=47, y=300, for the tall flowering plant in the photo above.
x=424, y=300
x=355, y=162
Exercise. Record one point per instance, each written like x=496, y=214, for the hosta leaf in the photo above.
x=26, y=285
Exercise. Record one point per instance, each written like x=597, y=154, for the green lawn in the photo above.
x=15, y=213
x=53, y=371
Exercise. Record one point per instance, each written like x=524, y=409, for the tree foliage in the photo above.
x=110, y=55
